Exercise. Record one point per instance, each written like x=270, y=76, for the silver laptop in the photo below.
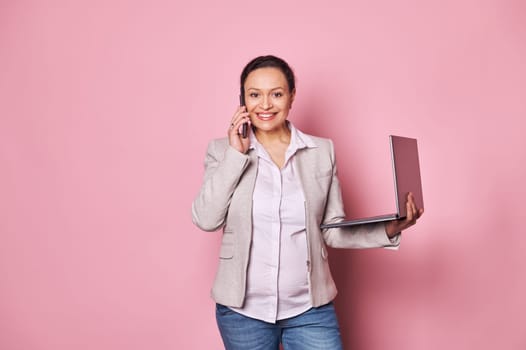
x=406, y=173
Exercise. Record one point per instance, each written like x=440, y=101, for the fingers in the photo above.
x=409, y=208
x=240, y=117
x=412, y=212
x=235, y=139
x=414, y=208
x=412, y=215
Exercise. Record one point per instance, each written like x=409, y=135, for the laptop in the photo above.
x=406, y=174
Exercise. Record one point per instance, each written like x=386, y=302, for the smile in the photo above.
x=265, y=116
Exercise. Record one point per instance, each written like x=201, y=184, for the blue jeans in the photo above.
x=315, y=329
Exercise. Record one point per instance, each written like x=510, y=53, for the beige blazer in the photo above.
x=225, y=201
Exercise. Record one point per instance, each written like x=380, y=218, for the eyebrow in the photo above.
x=276, y=88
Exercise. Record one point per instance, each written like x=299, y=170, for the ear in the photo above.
x=292, y=96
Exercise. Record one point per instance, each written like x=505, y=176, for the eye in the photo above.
x=254, y=94
x=278, y=94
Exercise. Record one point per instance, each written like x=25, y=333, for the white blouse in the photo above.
x=277, y=276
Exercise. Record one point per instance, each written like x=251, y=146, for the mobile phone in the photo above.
x=244, y=127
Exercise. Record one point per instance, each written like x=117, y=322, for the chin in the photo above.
x=269, y=125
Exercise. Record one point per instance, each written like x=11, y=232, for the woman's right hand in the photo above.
x=234, y=136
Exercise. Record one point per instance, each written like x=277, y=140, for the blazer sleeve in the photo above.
x=224, y=167
x=359, y=236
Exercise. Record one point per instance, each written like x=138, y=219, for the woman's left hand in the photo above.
x=392, y=228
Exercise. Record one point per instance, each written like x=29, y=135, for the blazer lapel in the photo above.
x=305, y=165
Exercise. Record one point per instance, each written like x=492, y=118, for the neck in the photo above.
x=281, y=135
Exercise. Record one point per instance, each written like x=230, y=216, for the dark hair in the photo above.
x=269, y=61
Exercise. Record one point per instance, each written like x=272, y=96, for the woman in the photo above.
x=270, y=192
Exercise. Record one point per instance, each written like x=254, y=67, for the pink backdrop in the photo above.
x=106, y=108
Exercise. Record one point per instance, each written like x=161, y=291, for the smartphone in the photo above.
x=244, y=127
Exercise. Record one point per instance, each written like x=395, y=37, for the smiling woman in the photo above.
x=268, y=101
x=269, y=98
x=273, y=283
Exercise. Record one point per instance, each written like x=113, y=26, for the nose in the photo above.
x=266, y=103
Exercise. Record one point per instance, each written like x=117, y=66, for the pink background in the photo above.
x=106, y=108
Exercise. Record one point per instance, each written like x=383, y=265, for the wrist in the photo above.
x=390, y=230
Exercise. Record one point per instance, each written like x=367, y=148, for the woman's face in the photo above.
x=267, y=98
